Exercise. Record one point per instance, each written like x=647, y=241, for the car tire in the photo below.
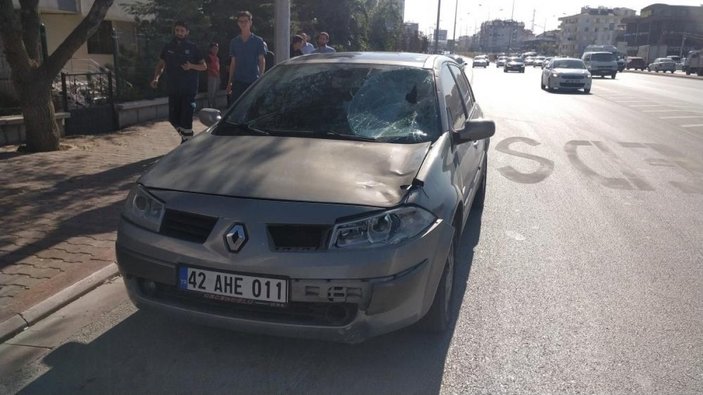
x=613, y=75
x=505, y=70
x=439, y=316
x=541, y=85
x=586, y=91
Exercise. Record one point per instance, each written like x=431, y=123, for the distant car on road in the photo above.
x=601, y=63
x=637, y=63
x=480, y=62
x=514, y=63
x=693, y=64
x=327, y=213
x=662, y=64
x=566, y=74
x=500, y=62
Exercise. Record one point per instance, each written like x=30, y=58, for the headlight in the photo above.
x=555, y=75
x=143, y=209
x=388, y=227
x=588, y=75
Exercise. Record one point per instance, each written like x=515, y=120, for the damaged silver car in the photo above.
x=326, y=203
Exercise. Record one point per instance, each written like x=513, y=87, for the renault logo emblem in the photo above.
x=236, y=237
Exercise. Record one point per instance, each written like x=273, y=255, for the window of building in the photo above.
x=101, y=42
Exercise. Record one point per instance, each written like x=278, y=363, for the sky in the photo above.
x=471, y=13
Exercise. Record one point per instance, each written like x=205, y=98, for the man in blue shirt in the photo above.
x=322, y=39
x=247, y=57
x=307, y=47
x=181, y=59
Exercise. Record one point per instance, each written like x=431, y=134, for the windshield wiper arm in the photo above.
x=227, y=127
x=344, y=136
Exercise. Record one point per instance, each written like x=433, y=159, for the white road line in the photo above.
x=682, y=117
x=678, y=110
x=695, y=125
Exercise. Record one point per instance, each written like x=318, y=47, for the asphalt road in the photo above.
x=583, y=273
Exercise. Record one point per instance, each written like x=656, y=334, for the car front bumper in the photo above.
x=333, y=295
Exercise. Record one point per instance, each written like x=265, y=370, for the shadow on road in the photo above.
x=151, y=353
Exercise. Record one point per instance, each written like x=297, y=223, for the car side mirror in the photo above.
x=475, y=129
x=209, y=116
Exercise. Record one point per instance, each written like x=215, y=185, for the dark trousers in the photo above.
x=180, y=111
x=238, y=87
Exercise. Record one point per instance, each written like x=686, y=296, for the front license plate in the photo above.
x=238, y=286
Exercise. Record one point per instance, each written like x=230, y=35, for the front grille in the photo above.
x=303, y=313
x=291, y=238
x=187, y=226
x=573, y=76
x=571, y=85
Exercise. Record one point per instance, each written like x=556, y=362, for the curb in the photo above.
x=675, y=75
x=19, y=322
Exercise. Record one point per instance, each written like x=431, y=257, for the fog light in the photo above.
x=148, y=287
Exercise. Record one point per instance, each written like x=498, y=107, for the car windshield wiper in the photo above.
x=344, y=136
x=227, y=128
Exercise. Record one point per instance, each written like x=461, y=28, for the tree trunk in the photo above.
x=42, y=131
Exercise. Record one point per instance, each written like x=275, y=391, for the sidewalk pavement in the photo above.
x=60, y=212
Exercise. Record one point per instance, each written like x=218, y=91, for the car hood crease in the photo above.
x=290, y=168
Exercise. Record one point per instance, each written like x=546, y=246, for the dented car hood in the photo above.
x=290, y=168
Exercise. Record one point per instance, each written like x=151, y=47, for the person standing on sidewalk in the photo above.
x=307, y=47
x=213, y=75
x=247, y=57
x=322, y=39
x=181, y=60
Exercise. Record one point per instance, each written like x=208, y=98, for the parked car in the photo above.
x=514, y=63
x=678, y=60
x=662, y=64
x=601, y=63
x=566, y=74
x=500, y=62
x=637, y=63
x=327, y=202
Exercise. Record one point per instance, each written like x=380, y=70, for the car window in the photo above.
x=464, y=87
x=568, y=64
x=453, y=99
x=379, y=102
x=603, y=57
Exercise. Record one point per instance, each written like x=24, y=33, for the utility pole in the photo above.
x=456, y=8
x=436, y=30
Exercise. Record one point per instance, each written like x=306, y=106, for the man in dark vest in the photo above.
x=181, y=60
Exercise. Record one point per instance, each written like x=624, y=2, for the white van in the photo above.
x=601, y=63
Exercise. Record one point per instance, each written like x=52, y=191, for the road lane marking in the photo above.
x=693, y=125
x=677, y=110
x=682, y=117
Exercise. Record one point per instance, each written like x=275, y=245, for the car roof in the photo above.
x=407, y=59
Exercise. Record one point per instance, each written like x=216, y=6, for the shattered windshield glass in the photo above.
x=344, y=101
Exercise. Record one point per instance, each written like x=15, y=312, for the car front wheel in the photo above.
x=439, y=316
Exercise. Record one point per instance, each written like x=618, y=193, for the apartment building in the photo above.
x=592, y=26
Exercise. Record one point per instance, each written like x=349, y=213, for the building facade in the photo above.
x=592, y=26
x=673, y=29
x=502, y=36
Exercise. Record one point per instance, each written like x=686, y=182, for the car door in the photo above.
x=460, y=106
